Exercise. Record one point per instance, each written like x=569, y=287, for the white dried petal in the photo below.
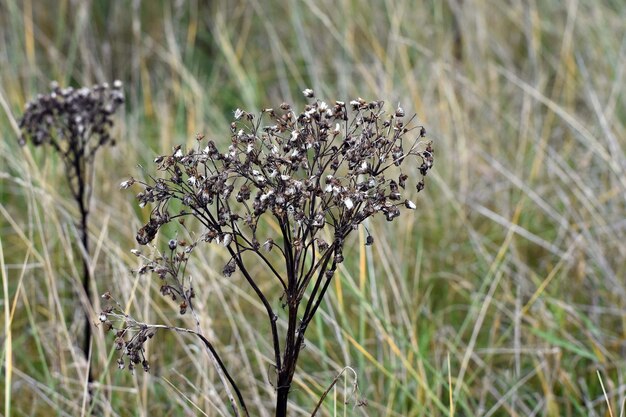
x=125, y=184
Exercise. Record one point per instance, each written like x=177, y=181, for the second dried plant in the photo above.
x=74, y=123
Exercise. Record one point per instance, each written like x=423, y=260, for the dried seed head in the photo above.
x=125, y=184
x=320, y=172
x=229, y=268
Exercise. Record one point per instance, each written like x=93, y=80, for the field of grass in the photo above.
x=504, y=293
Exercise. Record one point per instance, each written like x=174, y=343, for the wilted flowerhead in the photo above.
x=130, y=335
x=328, y=166
x=70, y=119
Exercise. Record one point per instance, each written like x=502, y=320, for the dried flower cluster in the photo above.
x=75, y=123
x=307, y=170
x=170, y=268
x=71, y=120
x=130, y=336
x=321, y=172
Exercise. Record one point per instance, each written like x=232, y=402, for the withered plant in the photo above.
x=318, y=175
x=75, y=124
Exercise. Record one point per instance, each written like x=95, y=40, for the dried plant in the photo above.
x=75, y=123
x=315, y=174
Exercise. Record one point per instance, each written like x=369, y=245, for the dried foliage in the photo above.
x=75, y=123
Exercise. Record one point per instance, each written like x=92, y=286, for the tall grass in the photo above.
x=503, y=295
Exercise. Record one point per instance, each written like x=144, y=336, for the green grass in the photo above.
x=504, y=291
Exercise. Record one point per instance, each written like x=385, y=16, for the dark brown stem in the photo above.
x=86, y=289
x=82, y=199
x=285, y=373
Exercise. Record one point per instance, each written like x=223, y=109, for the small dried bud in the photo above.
x=106, y=295
x=402, y=180
x=119, y=343
x=147, y=233
x=322, y=245
x=268, y=245
x=172, y=244
x=230, y=268
x=308, y=93
x=125, y=184
x=399, y=112
x=135, y=252
x=103, y=317
x=369, y=240
x=409, y=204
x=120, y=363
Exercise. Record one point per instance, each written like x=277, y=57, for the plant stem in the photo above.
x=84, y=212
x=286, y=372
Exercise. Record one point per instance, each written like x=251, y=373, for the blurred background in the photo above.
x=503, y=294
